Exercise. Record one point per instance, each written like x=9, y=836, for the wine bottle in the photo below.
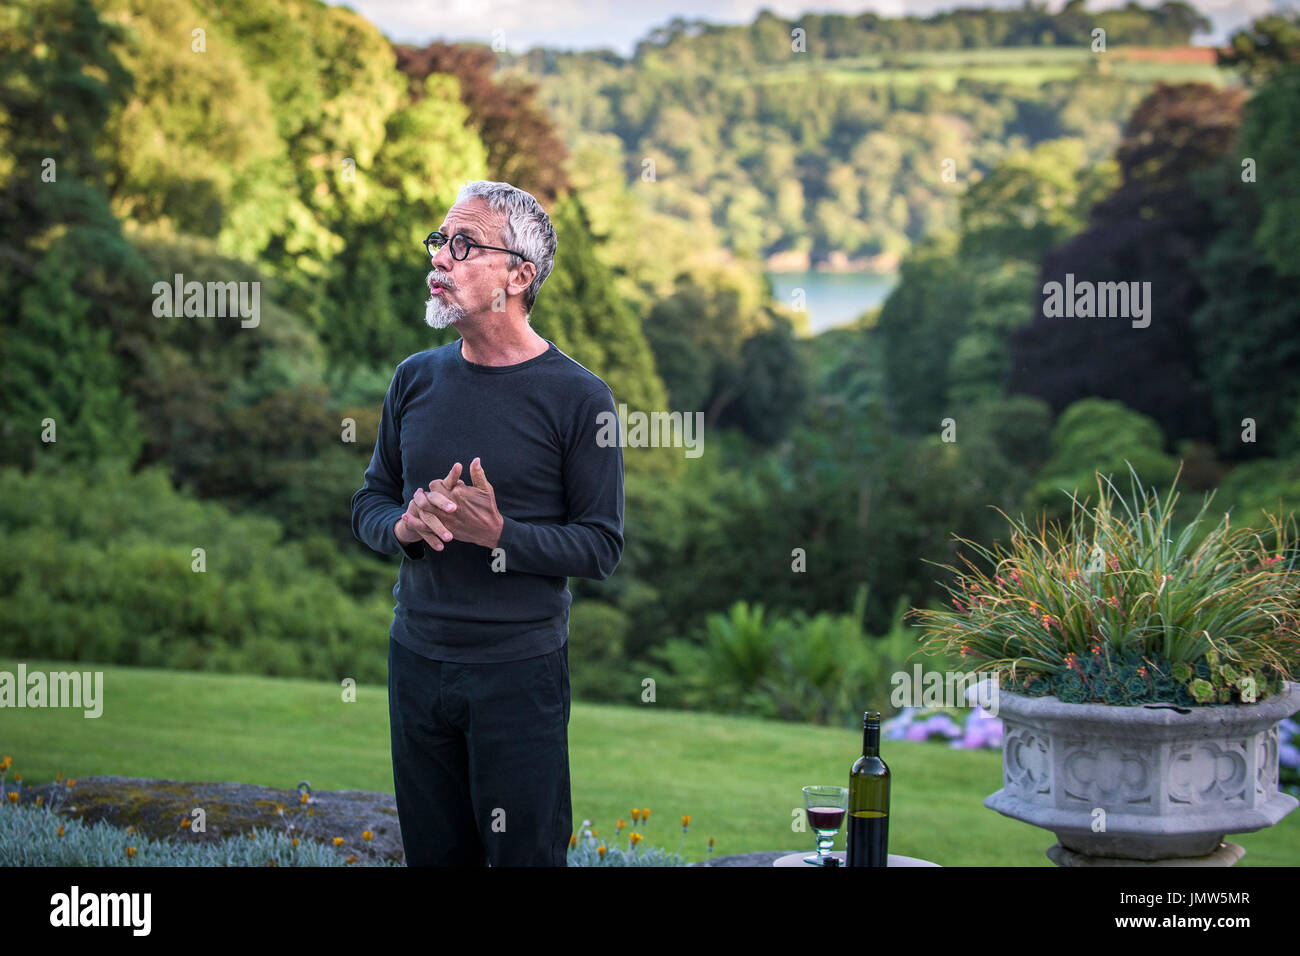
x=868, y=843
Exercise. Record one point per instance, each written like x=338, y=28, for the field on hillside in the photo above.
x=1029, y=66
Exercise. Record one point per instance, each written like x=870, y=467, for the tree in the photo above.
x=523, y=147
x=1152, y=229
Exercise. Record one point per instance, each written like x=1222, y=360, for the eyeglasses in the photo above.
x=461, y=245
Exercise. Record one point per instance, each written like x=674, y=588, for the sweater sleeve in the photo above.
x=378, y=504
x=590, y=544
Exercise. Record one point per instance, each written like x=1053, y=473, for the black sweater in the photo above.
x=556, y=466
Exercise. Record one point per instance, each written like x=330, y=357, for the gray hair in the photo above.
x=527, y=228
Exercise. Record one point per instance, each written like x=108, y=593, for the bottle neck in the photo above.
x=871, y=740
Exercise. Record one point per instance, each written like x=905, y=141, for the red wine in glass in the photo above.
x=826, y=818
x=825, y=808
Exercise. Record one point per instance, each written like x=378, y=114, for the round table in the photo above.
x=796, y=859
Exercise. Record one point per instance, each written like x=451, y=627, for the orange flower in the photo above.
x=6, y=763
x=270, y=862
x=645, y=814
x=60, y=829
x=351, y=859
x=620, y=825
x=59, y=777
x=710, y=843
x=295, y=841
x=366, y=834
x=636, y=814
x=13, y=797
x=573, y=840
x=686, y=821
x=338, y=841
x=601, y=850
x=594, y=832
x=71, y=782
x=304, y=798
x=40, y=798
x=635, y=838
x=130, y=852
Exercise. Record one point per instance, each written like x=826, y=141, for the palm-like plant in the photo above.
x=1115, y=607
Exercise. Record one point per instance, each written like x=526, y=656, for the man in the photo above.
x=478, y=668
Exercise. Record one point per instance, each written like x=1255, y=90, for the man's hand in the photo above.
x=426, y=513
x=474, y=516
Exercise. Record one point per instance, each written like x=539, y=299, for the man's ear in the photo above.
x=525, y=274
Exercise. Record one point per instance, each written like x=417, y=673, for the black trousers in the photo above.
x=481, y=759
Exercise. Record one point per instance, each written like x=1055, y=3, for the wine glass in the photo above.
x=826, y=807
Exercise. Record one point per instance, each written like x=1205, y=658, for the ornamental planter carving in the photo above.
x=1170, y=781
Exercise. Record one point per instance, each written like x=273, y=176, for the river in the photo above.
x=833, y=298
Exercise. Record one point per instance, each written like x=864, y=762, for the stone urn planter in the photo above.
x=1156, y=784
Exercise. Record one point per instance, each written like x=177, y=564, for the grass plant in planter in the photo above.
x=1142, y=670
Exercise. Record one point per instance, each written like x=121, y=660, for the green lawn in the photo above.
x=738, y=778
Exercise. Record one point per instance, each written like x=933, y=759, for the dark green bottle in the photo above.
x=868, y=843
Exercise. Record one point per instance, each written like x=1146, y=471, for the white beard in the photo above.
x=439, y=314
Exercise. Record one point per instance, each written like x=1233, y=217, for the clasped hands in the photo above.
x=453, y=509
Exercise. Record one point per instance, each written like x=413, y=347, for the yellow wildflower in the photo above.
x=601, y=850
x=366, y=835
x=130, y=852
x=573, y=840
x=636, y=814
x=620, y=825
x=635, y=838
x=338, y=841
x=60, y=829
x=686, y=820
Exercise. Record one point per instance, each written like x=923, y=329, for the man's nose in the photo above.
x=442, y=259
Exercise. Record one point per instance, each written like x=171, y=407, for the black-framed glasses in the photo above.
x=461, y=245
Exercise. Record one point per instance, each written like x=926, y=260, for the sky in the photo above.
x=618, y=24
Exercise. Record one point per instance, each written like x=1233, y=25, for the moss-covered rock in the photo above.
x=160, y=808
